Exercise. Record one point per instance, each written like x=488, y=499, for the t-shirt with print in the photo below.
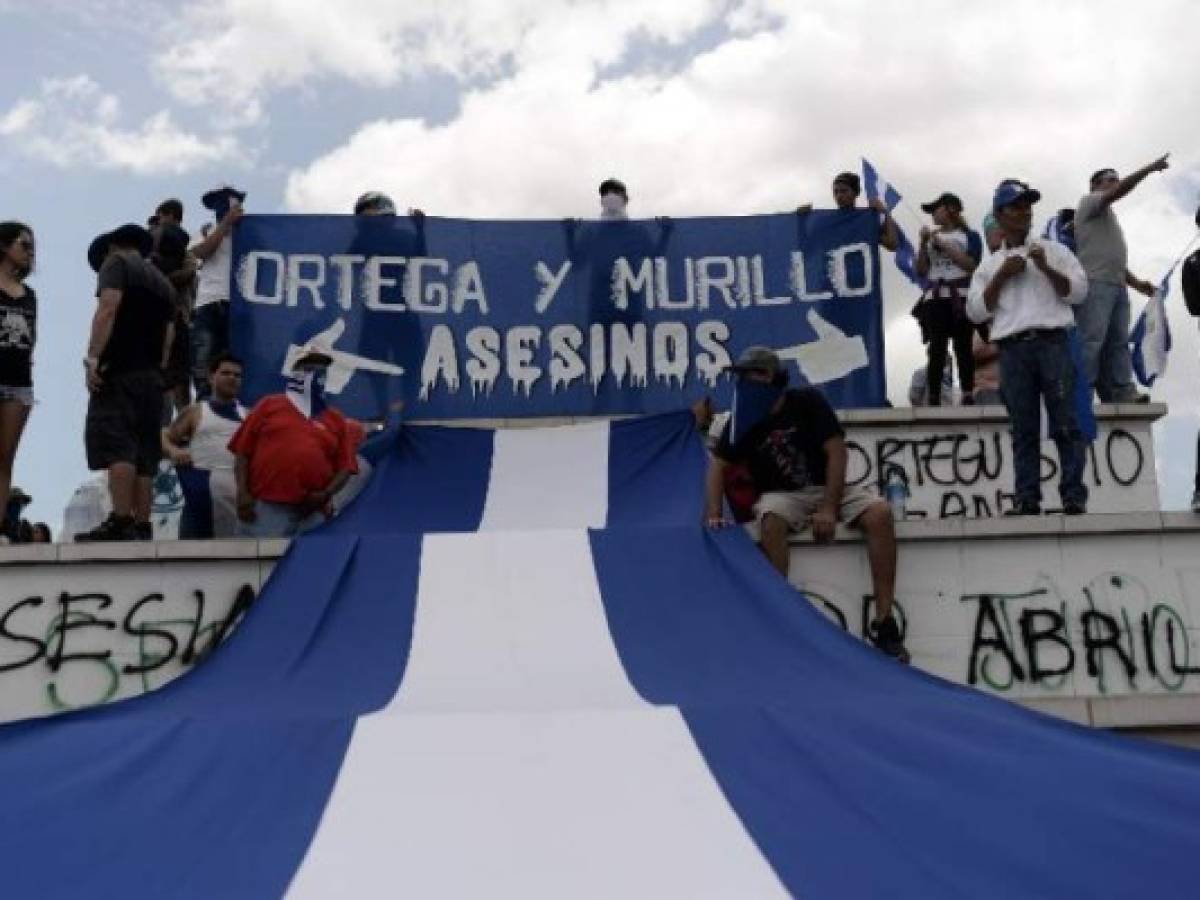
x=147, y=307
x=941, y=266
x=18, y=334
x=291, y=455
x=1099, y=241
x=786, y=450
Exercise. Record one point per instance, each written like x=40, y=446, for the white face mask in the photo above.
x=612, y=206
x=306, y=391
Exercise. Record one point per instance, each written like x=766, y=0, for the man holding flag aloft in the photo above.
x=1027, y=288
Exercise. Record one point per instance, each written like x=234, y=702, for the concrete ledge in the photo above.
x=142, y=551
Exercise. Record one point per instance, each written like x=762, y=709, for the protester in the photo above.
x=197, y=444
x=169, y=212
x=918, y=384
x=293, y=453
x=987, y=371
x=170, y=256
x=1103, y=318
x=795, y=452
x=614, y=200
x=846, y=188
x=130, y=337
x=210, y=318
x=1027, y=289
x=947, y=256
x=18, y=334
x=41, y=534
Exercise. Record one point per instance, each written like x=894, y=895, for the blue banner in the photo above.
x=501, y=319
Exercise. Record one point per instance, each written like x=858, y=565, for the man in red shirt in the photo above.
x=291, y=455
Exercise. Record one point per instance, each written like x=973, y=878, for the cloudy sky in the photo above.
x=518, y=108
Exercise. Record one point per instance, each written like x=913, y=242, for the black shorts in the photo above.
x=124, y=422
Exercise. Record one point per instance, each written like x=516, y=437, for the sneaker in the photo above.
x=144, y=531
x=1024, y=508
x=1196, y=501
x=1074, y=508
x=885, y=635
x=114, y=528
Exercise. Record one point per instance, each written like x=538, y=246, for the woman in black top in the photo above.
x=18, y=333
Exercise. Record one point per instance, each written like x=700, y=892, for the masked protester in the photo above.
x=614, y=200
x=792, y=445
x=292, y=454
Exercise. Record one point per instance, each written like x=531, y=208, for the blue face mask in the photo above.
x=752, y=402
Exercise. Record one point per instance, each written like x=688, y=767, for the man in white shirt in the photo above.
x=1027, y=288
x=210, y=319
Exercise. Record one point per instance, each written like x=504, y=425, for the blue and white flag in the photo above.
x=906, y=254
x=1150, y=339
x=518, y=667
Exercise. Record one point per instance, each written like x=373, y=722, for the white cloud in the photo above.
x=74, y=122
x=233, y=53
x=940, y=96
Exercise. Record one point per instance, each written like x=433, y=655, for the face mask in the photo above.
x=612, y=206
x=221, y=208
x=752, y=402
x=306, y=391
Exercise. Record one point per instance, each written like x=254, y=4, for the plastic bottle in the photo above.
x=85, y=510
x=895, y=492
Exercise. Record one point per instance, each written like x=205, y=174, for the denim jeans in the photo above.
x=210, y=336
x=277, y=520
x=1033, y=371
x=1103, y=322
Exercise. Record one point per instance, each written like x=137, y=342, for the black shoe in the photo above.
x=144, y=531
x=1074, y=509
x=1024, y=508
x=885, y=635
x=114, y=528
x=967, y=400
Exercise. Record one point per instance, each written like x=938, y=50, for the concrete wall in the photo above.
x=1095, y=618
x=88, y=624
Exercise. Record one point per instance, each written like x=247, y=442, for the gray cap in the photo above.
x=756, y=359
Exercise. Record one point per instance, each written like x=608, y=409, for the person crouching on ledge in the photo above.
x=795, y=450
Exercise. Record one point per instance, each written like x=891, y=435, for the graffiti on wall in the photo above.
x=90, y=647
x=968, y=473
x=1114, y=634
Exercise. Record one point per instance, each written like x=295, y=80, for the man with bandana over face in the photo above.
x=795, y=451
x=293, y=453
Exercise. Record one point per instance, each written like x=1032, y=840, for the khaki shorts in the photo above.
x=795, y=507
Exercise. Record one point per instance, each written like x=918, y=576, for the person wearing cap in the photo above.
x=794, y=449
x=1027, y=290
x=947, y=256
x=128, y=346
x=210, y=318
x=846, y=188
x=292, y=454
x=18, y=335
x=1103, y=317
x=614, y=200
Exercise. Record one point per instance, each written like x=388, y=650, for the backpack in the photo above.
x=1189, y=277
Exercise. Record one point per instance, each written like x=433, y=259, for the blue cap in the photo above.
x=1010, y=190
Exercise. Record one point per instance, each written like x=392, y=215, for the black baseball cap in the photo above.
x=127, y=235
x=944, y=199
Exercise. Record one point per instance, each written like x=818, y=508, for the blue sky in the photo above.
x=517, y=109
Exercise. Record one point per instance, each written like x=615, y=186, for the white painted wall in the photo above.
x=958, y=460
x=79, y=627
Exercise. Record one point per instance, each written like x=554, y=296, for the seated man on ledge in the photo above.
x=292, y=454
x=795, y=450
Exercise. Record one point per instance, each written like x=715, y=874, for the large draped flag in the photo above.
x=906, y=255
x=518, y=667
